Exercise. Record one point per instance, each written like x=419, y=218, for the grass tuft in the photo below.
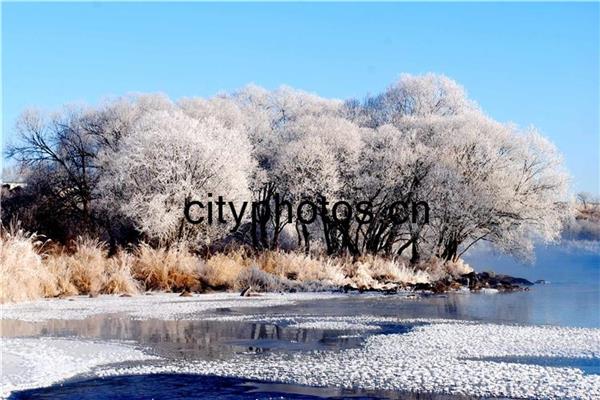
x=173, y=269
x=22, y=273
x=118, y=275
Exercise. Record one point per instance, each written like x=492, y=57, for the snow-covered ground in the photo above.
x=439, y=356
x=166, y=306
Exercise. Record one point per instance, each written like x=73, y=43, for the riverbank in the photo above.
x=30, y=269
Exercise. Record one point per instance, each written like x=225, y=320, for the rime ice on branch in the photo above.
x=124, y=170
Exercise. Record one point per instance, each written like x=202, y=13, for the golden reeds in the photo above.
x=27, y=272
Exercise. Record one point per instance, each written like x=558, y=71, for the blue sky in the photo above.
x=528, y=63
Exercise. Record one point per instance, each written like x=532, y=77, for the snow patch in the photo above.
x=32, y=363
x=166, y=306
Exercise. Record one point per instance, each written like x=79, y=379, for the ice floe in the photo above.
x=333, y=325
x=437, y=357
x=440, y=356
x=30, y=363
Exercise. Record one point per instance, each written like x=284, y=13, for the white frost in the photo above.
x=441, y=356
x=432, y=358
x=328, y=324
x=166, y=306
x=31, y=363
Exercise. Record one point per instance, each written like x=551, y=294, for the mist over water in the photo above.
x=571, y=296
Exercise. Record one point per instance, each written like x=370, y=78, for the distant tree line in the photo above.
x=124, y=170
x=585, y=224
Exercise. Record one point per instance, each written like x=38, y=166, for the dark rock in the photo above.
x=125, y=295
x=440, y=287
x=248, y=292
x=390, y=291
x=478, y=281
x=462, y=281
x=486, y=275
x=511, y=280
x=348, y=287
x=507, y=288
x=292, y=276
x=471, y=279
x=422, y=286
x=93, y=295
x=185, y=293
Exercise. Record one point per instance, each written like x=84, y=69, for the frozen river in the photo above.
x=543, y=343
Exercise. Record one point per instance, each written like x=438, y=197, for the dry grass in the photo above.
x=57, y=264
x=26, y=272
x=301, y=267
x=222, y=270
x=263, y=281
x=87, y=265
x=22, y=273
x=393, y=271
x=172, y=269
x=118, y=276
x=235, y=270
x=439, y=269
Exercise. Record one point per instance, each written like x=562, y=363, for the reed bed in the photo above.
x=29, y=271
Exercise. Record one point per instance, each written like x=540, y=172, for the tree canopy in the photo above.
x=130, y=164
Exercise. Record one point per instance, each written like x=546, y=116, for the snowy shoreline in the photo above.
x=157, y=305
x=438, y=356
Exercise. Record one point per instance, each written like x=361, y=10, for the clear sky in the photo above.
x=529, y=63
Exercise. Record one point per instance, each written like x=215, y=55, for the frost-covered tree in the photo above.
x=273, y=122
x=169, y=159
x=139, y=158
x=114, y=118
x=316, y=165
x=488, y=182
x=425, y=95
x=470, y=169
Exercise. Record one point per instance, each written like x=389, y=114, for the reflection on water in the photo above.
x=182, y=386
x=188, y=339
x=556, y=304
x=575, y=305
x=271, y=330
